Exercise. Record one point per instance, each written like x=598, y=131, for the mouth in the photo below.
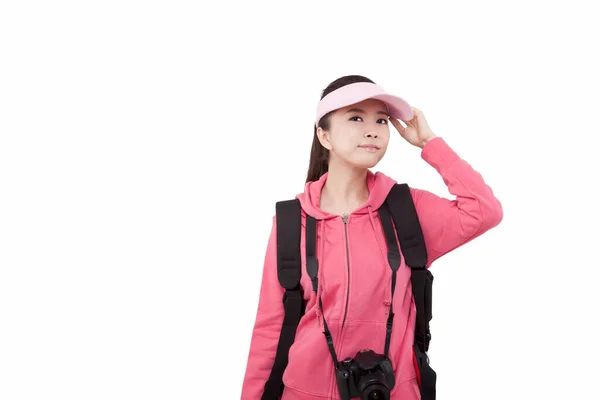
x=369, y=147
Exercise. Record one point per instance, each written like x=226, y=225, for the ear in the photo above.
x=324, y=138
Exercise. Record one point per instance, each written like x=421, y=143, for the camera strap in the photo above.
x=312, y=269
x=394, y=261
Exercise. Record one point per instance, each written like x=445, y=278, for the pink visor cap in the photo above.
x=355, y=93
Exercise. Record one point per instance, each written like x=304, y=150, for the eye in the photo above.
x=385, y=121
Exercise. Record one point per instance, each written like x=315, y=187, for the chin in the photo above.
x=366, y=164
x=364, y=161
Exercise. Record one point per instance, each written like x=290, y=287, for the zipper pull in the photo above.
x=345, y=218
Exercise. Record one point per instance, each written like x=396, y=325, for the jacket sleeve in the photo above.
x=267, y=326
x=448, y=224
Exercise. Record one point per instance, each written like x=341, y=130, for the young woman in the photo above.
x=351, y=135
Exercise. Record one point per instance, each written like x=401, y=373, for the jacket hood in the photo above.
x=379, y=186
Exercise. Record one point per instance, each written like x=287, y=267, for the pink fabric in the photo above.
x=357, y=92
x=447, y=224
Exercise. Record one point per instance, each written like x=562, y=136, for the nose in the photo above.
x=371, y=134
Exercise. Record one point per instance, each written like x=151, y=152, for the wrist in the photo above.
x=428, y=139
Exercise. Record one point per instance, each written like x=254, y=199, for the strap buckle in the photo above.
x=292, y=294
x=423, y=341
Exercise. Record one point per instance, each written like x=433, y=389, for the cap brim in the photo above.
x=397, y=106
x=355, y=93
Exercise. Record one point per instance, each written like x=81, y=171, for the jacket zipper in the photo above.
x=345, y=219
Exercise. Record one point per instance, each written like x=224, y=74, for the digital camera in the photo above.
x=368, y=376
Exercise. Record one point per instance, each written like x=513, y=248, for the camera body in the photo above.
x=368, y=376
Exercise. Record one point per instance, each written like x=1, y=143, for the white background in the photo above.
x=144, y=144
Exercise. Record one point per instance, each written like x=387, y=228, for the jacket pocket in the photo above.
x=310, y=367
x=407, y=390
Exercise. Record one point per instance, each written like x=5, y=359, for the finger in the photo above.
x=400, y=127
x=415, y=112
x=397, y=120
x=397, y=125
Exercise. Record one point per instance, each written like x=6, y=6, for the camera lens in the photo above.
x=373, y=387
x=376, y=392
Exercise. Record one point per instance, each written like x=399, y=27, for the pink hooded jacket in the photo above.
x=355, y=280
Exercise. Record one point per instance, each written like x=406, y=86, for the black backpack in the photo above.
x=289, y=269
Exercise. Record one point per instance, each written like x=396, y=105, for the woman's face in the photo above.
x=359, y=134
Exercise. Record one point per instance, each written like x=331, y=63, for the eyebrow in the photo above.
x=362, y=111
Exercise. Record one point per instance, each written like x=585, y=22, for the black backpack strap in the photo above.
x=394, y=260
x=289, y=272
x=413, y=247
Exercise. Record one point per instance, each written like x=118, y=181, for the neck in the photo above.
x=345, y=189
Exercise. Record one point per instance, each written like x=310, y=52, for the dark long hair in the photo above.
x=319, y=155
